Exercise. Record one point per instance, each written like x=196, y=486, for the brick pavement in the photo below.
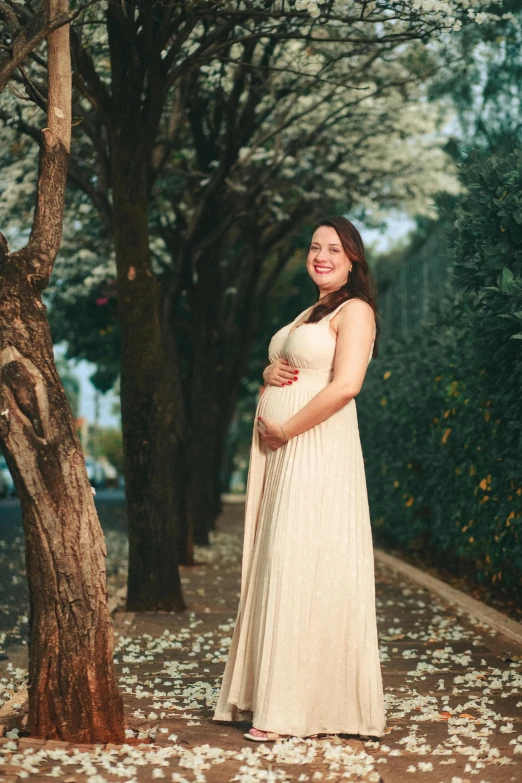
x=453, y=697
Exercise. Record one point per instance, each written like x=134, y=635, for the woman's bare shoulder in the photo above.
x=355, y=308
x=355, y=311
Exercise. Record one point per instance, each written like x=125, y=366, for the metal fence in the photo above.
x=415, y=290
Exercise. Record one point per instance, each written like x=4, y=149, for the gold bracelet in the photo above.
x=284, y=433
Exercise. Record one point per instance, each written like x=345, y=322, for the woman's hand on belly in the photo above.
x=280, y=373
x=270, y=433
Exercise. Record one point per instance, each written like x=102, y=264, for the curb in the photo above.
x=477, y=610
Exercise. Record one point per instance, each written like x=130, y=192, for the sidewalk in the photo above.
x=453, y=697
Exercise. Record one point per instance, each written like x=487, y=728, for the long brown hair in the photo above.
x=360, y=283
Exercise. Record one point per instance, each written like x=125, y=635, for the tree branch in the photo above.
x=98, y=199
x=27, y=37
x=46, y=231
x=87, y=79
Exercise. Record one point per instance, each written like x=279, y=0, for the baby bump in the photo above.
x=281, y=402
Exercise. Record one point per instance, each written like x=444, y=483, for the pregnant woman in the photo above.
x=304, y=656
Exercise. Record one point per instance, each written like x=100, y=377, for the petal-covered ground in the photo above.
x=453, y=690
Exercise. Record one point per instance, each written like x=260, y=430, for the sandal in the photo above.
x=271, y=736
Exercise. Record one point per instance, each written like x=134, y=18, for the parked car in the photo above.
x=109, y=471
x=95, y=473
x=3, y=486
x=7, y=487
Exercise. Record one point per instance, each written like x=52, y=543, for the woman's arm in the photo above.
x=355, y=333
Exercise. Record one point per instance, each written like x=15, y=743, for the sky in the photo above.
x=396, y=228
x=82, y=370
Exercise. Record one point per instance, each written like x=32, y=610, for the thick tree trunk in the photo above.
x=153, y=449
x=153, y=443
x=73, y=693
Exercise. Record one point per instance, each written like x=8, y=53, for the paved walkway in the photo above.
x=453, y=697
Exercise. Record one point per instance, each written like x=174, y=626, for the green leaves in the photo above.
x=487, y=246
x=505, y=281
x=453, y=394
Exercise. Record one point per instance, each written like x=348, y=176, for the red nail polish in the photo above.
x=289, y=383
x=295, y=377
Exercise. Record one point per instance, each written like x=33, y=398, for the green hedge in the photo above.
x=440, y=413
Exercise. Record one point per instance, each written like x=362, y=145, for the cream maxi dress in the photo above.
x=304, y=656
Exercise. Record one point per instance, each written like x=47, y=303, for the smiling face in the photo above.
x=327, y=263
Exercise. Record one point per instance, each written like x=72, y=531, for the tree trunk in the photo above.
x=209, y=462
x=203, y=455
x=180, y=460
x=219, y=353
x=204, y=388
x=153, y=444
x=73, y=693
x=153, y=449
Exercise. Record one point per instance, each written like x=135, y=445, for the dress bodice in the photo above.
x=309, y=346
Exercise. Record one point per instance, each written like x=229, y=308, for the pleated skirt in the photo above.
x=304, y=656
